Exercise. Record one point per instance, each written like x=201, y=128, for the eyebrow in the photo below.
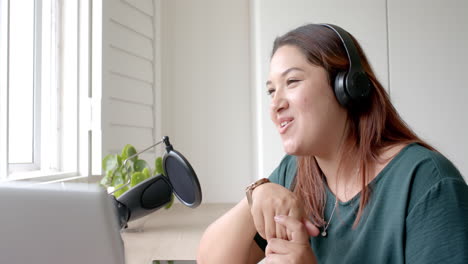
x=286, y=72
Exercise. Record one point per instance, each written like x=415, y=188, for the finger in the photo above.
x=257, y=216
x=296, y=213
x=298, y=231
x=312, y=230
x=277, y=246
x=277, y=259
x=270, y=225
x=289, y=235
x=281, y=231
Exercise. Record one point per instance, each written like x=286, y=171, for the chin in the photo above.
x=290, y=149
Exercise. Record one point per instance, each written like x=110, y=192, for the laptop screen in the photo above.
x=58, y=223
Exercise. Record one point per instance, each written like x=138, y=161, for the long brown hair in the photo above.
x=368, y=132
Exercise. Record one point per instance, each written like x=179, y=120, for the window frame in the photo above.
x=48, y=164
x=4, y=17
x=37, y=77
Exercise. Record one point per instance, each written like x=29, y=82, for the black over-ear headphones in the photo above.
x=353, y=87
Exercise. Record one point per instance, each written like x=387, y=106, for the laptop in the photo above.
x=58, y=223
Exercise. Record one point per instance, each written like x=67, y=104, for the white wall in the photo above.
x=428, y=63
x=206, y=91
x=128, y=75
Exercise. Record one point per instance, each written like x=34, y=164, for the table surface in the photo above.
x=172, y=234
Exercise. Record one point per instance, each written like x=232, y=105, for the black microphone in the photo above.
x=153, y=193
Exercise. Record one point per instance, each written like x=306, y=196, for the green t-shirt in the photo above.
x=417, y=213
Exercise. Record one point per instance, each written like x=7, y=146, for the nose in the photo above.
x=278, y=102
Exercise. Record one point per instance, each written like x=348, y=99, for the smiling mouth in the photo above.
x=284, y=123
x=283, y=126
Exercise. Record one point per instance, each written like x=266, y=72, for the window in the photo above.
x=44, y=88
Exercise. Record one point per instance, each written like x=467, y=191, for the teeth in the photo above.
x=284, y=123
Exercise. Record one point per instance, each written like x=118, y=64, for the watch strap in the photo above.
x=249, y=189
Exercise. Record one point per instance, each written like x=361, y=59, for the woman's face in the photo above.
x=303, y=106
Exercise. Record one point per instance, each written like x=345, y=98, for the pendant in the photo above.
x=324, y=233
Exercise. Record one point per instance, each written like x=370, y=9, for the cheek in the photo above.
x=305, y=101
x=306, y=105
x=313, y=114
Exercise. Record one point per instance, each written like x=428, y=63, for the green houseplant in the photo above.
x=125, y=170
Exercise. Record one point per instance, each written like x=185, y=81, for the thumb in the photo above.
x=312, y=230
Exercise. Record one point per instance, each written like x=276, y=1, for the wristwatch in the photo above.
x=249, y=189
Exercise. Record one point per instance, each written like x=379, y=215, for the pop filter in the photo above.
x=153, y=193
x=182, y=177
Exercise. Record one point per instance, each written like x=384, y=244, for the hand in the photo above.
x=297, y=250
x=272, y=199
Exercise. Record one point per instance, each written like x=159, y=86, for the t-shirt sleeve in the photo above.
x=436, y=227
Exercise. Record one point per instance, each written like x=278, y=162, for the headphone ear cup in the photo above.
x=359, y=88
x=340, y=89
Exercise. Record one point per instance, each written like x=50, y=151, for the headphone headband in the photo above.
x=352, y=87
x=351, y=50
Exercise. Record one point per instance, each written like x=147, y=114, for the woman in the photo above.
x=357, y=185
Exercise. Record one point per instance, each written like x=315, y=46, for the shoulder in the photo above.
x=434, y=165
x=421, y=161
x=437, y=210
x=432, y=175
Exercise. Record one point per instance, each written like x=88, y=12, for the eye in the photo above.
x=270, y=91
x=291, y=81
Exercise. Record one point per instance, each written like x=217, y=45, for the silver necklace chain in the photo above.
x=324, y=232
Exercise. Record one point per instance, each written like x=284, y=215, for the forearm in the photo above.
x=228, y=239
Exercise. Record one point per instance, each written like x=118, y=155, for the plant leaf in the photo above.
x=127, y=170
x=118, y=178
x=137, y=177
x=119, y=160
x=121, y=191
x=169, y=204
x=107, y=179
x=128, y=151
x=139, y=165
x=147, y=173
x=109, y=163
x=158, y=166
